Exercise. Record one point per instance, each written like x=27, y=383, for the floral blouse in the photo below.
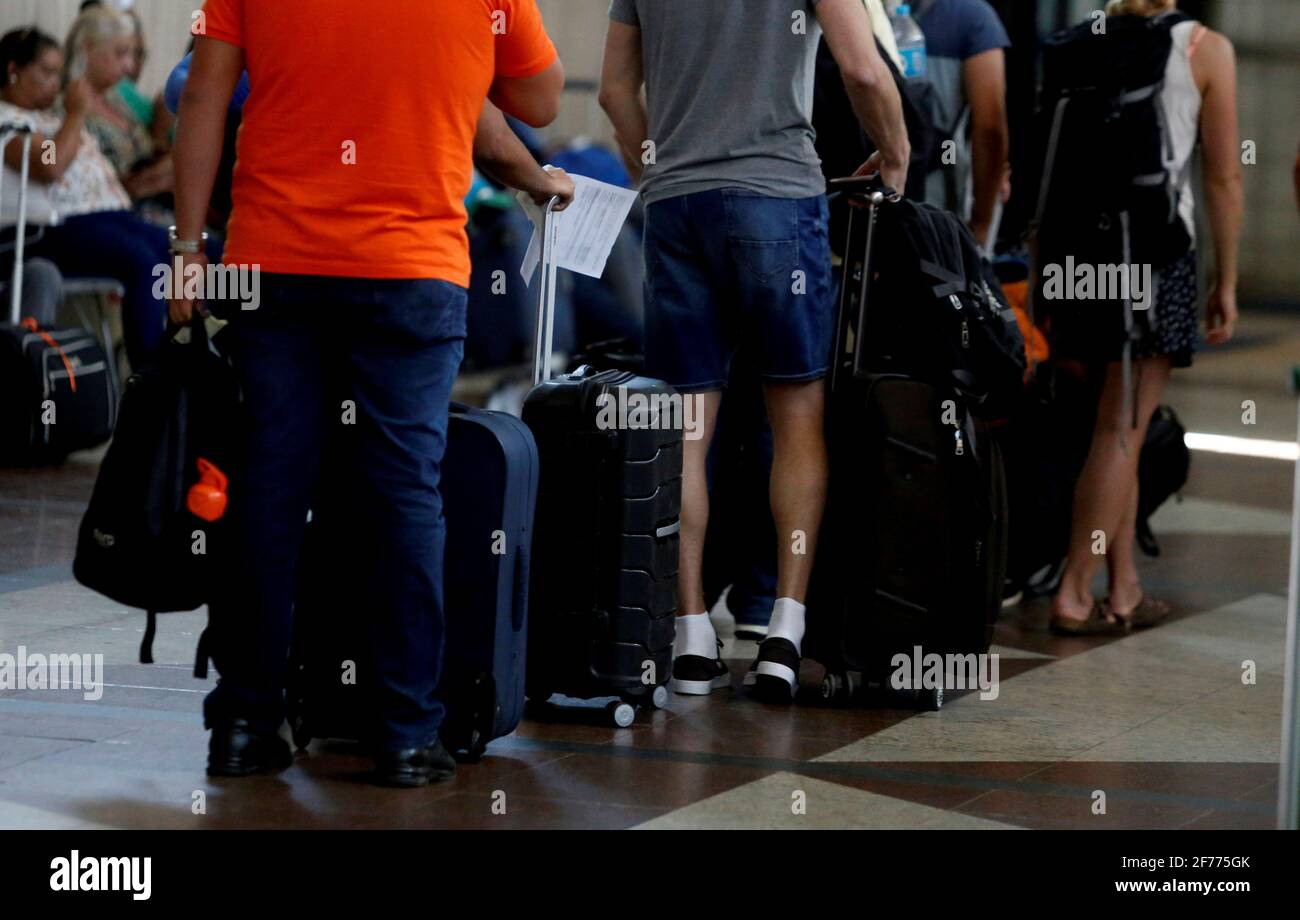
x=89, y=185
x=125, y=147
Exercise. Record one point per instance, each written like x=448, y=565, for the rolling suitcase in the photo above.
x=913, y=547
x=57, y=384
x=489, y=489
x=604, y=589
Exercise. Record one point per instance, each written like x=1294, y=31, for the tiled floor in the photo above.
x=1155, y=730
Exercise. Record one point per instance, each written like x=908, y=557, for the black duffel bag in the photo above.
x=140, y=543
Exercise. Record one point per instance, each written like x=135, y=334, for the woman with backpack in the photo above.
x=1198, y=104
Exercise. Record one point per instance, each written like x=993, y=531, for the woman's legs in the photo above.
x=117, y=244
x=1121, y=564
x=1105, y=498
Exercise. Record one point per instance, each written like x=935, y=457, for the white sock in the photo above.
x=787, y=621
x=695, y=636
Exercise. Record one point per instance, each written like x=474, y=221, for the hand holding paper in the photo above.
x=585, y=231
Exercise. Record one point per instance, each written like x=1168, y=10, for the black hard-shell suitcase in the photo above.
x=604, y=590
x=57, y=389
x=489, y=491
x=913, y=547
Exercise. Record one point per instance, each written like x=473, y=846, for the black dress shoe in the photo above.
x=236, y=750
x=414, y=767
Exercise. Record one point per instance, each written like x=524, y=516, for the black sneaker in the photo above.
x=696, y=675
x=414, y=767
x=774, y=676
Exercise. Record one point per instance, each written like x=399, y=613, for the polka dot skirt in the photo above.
x=1173, y=328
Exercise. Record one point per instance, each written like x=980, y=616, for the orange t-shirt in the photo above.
x=356, y=149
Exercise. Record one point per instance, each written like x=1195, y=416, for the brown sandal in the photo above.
x=1097, y=624
x=1146, y=614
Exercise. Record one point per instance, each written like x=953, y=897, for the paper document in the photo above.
x=585, y=231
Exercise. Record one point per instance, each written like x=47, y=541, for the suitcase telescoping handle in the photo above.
x=871, y=193
x=7, y=133
x=544, y=340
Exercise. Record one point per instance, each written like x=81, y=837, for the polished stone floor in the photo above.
x=1158, y=727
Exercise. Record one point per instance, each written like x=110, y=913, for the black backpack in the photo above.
x=138, y=539
x=942, y=316
x=1105, y=194
x=1163, y=469
x=842, y=144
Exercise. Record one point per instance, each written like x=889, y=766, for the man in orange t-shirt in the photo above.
x=354, y=160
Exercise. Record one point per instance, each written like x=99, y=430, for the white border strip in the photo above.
x=1243, y=447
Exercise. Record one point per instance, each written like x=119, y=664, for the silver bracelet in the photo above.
x=181, y=247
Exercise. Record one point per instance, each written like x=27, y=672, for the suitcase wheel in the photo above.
x=932, y=700
x=623, y=714
x=659, y=697
x=838, y=689
x=927, y=700
x=475, y=748
x=301, y=737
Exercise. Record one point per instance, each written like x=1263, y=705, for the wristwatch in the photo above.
x=181, y=247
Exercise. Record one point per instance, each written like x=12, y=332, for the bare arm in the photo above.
x=869, y=84
x=533, y=100
x=621, y=77
x=986, y=88
x=200, y=140
x=1215, y=70
x=201, y=130
x=500, y=153
x=67, y=142
x=1221, y=152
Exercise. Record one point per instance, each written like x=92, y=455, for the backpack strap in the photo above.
x=202, y=653
x=146, y=644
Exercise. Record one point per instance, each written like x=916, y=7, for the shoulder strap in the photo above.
x=919, y=7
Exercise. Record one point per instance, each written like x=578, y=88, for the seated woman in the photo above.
x=99, y=235
x=106, y=47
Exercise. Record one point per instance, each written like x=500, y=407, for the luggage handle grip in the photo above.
x=866, y=187
x=544, y=338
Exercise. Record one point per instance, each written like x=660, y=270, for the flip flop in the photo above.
x=1146, y=614
x=1097, y=624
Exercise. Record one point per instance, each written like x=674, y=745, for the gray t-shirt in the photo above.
x=729, y=86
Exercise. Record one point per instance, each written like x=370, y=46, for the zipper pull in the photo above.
x=979, y=551
x=965, y=334
x=961, y=443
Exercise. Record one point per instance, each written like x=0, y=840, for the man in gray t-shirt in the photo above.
x=737, y=255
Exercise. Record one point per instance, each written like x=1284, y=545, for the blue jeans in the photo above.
x=396, y=347
x=117, y=244
x=730, y=269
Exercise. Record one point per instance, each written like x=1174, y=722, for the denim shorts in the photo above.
x=729, y=269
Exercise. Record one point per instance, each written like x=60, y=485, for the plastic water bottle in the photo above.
x=911, y=41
